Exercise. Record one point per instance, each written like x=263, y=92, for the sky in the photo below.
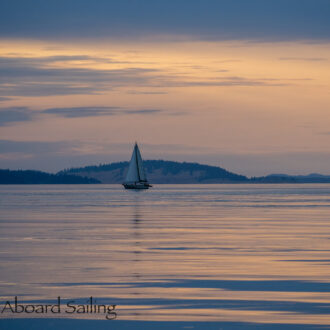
x=241, y=84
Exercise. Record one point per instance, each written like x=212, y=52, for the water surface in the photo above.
x=220, y=253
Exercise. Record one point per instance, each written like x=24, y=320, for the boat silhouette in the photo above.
x=136, y=177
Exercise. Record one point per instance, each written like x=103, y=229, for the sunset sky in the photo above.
x=241, y=84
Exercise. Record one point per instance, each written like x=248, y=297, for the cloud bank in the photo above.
x=12, y=115
x=199, y=19
x=37, y=76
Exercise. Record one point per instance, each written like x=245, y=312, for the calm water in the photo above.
x=237, y=253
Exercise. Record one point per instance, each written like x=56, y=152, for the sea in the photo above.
x=217, y=256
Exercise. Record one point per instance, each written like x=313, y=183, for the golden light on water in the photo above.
x=238, y=253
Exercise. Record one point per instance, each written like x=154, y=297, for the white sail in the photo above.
x=136, y=171
x=141, y=171
x=132, y=173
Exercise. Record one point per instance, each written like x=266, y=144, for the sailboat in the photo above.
x=136, y=176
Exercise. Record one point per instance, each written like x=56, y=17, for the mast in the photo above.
x=136, y=161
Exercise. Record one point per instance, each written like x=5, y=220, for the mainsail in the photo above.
x=136, y=171
x=142, y=173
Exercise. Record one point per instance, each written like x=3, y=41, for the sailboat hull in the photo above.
x=138, y=185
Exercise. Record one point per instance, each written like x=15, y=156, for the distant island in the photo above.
x=38, y=177
x=158, y=172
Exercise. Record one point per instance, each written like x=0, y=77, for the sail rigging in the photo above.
x=133, y=169
x=136, y=177
x=141, y=172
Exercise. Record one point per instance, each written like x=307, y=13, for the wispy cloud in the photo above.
x=229, y=81
x=26, y=76
x=21, y=76
x=35, y=147
x=137, y=92
x=23, y=60
x=304, y=59
x=75, y=112
x=3, y=98
x=14, y=114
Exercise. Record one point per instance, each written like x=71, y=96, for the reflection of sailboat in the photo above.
x=137, y=261
x=136, y=176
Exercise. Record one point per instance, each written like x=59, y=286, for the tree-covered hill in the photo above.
x=38, y=177
x=160, y=171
